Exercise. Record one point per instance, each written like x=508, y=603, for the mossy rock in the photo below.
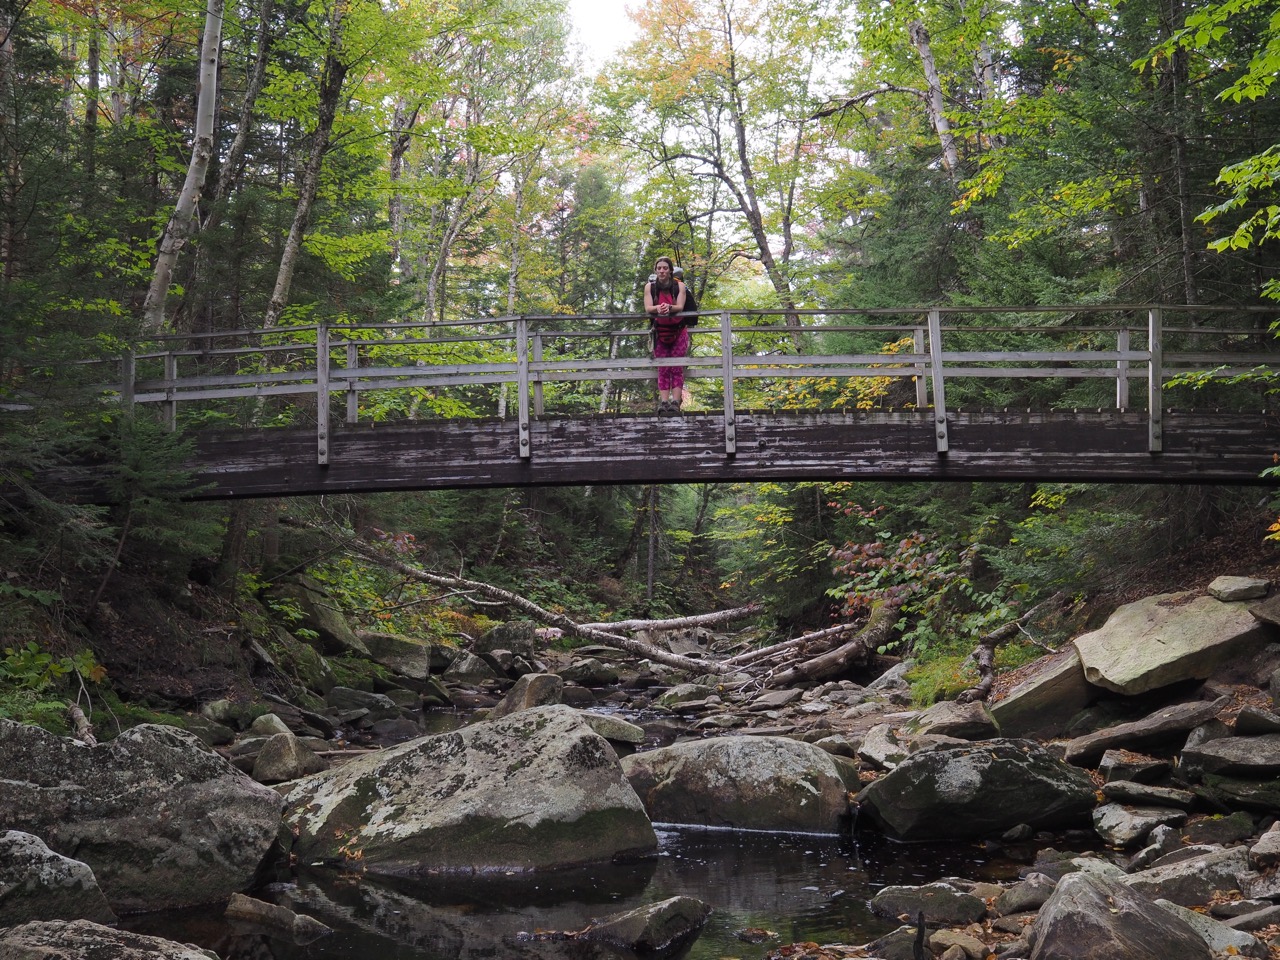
x=302, y=662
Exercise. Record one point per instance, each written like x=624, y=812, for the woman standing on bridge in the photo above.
x=664, y=298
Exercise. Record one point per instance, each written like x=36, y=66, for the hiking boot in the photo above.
x=664, y=408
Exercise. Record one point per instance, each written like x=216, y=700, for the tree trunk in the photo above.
x=232, y=165
x=182, y=223
x=935, y=105
x=8, y=124
x=332, y=78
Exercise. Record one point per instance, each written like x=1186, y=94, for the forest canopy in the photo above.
x=179, y=168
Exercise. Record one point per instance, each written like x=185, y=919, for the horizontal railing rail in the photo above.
x=505, y=366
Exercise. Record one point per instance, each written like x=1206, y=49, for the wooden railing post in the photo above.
x=128, y=377
x=1155, y=381
x=353, y=395
x=322, y=394
x=726, y=367
x=537, y=381
x=522, y=384
x=922, y=395
x=1122, y=370
x=171, y=390
x=939, y=387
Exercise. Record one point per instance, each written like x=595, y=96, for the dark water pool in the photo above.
x=795, y=887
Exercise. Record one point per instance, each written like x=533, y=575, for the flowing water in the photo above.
x=775, y=888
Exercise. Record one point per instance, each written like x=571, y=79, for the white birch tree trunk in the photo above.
x=934, y=103
x=182, y=223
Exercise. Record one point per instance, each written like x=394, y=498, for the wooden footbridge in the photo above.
x=1130, y=393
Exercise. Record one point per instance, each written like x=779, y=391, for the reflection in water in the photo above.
x=797, y=887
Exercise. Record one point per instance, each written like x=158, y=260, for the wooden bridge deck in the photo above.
x=1063, y=446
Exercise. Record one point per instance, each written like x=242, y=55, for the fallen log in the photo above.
x=879, y=628
x=375, y=554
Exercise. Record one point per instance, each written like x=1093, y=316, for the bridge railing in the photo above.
x=524, y=367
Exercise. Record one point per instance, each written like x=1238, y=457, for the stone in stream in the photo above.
x=161, y=820
x=742, y=782
x=535, y=790
x=979, y=790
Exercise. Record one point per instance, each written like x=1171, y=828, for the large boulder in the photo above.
x=531, y=690
x=979, y=790
x=746, y=783
x=1250, y=758
x=38, y=884
x=404, y=656
x=1045, y=701
x=318, y=616
x=1091, y=917
x=536, y=790
x=1194, y=880
x=1167, y=725
x=162, y=821
x=1168, y=638
x=83, y=939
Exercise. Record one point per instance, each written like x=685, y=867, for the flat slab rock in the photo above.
x=1165, y=639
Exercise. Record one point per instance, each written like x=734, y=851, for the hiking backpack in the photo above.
x=666, y=330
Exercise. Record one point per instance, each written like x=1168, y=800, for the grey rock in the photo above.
x=38, y=884
x=1165, y=639
x=942, y=904
x=614, y=729
x=1256, y=919
x=1265, y=853
x=963, y=721
x=747, y=783
x=1220, y=830
x=404, y=656
x=1193, y=881
x=1221, y=939
x=774, y=699
x=1090, y=917
x=82, y=939
x=591, y=672
x=1127, y=791
x=1028, y=894
x=274, y=920
x=161, y=820
x=1229, y=588
x=1127, y=765
x=1044, y=703
x=531, y=690
x=980, y=790
x=1159, y=727
x=1248, y=757
x=284, y=757
x=656, y=928
x=319, y=615
x=536, y=790
x=1214, y=729
x=267, y=725
x=1251, y=721
x=1125, y=826
x=469, y=668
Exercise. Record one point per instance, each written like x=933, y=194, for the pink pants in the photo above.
x=672, y=378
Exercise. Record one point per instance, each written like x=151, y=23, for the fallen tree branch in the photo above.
x=984, y=655
x=786, y=646
x=83, y=729
x=677, y=623
x=884, y=617
x=646, y=651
